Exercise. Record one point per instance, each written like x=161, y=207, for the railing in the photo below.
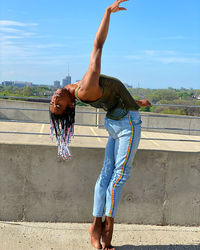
x=47, y=100
x=31, y=99
x=99, y=125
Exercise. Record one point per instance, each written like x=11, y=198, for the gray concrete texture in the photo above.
x=67, y=236
x=166, y=123
x=164, y=187
x=39, y=116
x=150, y=122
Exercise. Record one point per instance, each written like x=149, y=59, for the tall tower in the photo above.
x=56, y=84
x=67, y=80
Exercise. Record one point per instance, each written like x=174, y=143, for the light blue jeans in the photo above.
x=124, y=137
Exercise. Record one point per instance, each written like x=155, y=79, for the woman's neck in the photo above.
x=72, y=87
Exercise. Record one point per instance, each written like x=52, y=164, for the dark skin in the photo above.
x=90, y=90
x=61, y=100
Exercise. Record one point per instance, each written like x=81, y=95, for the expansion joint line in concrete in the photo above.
x=23, y=217
x=23, y=213
x=165, y=195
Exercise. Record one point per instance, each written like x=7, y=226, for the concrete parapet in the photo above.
x=37, y=186
x=40, y=116
x=171, y=123
x=165, y=123
x=23, y=115
x=151, y=121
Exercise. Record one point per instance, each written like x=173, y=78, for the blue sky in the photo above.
x=155, y=43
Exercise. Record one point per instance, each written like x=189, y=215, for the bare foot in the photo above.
x=107, y=232
x=108, y=248
x=95, y=235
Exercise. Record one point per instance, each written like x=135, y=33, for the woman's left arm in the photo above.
x=90, y=89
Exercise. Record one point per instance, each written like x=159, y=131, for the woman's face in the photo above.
x=60, y=101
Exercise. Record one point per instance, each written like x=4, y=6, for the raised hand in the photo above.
x=144, y=103
x=115, y=6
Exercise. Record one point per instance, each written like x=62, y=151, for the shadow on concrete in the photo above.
x=159, y=247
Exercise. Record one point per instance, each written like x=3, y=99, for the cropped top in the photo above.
x=115, y=99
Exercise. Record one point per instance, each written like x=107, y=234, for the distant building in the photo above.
x=67, y=80
x=56, y=84
x=7, y=83
x=21, y=84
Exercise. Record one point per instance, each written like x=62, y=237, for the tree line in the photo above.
x=171, y=96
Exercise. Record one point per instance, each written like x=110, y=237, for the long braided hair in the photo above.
x=63, y=125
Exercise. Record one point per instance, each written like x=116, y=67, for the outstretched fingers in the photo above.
x=115, y=6
x=119, y=2
x=122, y=8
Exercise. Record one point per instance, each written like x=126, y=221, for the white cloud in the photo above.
x=9, y=30
x=149, y=52
x=14, y=38
x=168, y=60
x=51, y=45
x=178, y=37
x=133, y=57
x=165, y=57
x=11, y=52
x=172, y=38
x=4, y=23
x=8, y=37
x=159, y=52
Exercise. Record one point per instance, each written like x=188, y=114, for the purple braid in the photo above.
x=63, y=125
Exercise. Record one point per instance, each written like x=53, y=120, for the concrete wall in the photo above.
x=166, y=123
x=36, y=186
x=40, y=116
x=150, y=120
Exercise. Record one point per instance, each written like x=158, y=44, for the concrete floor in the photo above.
x=63, y=236
x=188, y=144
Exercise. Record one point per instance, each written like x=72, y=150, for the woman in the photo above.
x=122, y=122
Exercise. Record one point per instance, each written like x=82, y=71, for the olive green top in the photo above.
x=115, y=99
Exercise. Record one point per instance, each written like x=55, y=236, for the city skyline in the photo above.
x=154, y=44
x=61, y=83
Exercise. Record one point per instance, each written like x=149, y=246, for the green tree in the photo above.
x=27, y=91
